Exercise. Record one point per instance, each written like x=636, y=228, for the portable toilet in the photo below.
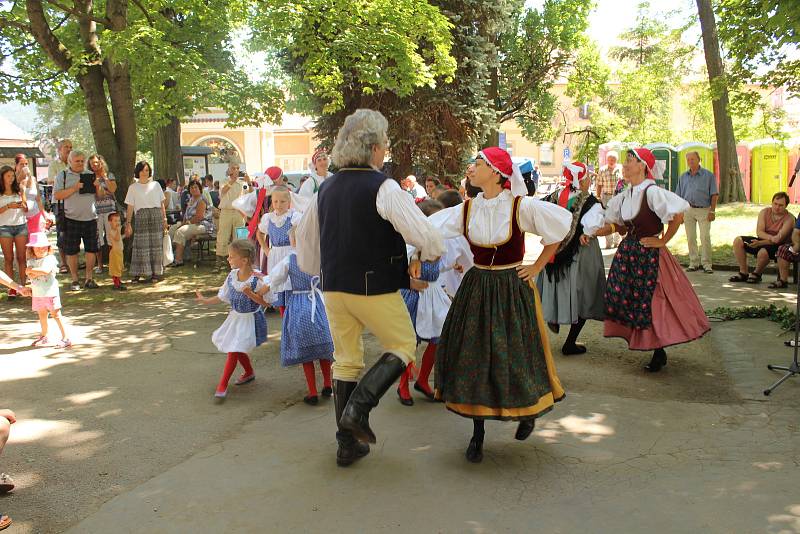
x=743, y=158
x=769, y=169
x=794, y=156
x=669, y=157
x=705, y=151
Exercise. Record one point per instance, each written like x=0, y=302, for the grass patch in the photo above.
x=732, y=220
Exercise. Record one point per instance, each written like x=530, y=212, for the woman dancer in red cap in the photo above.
x=493, y=359
x=649, y=301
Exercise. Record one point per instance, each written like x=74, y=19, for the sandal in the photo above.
x=5, y=521
x=6, y=483
x=755, y=278
x=778, y=284
x=740, y=277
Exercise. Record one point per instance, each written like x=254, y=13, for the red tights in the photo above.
x=428, y=358
x=311, y=379
x=230, y=367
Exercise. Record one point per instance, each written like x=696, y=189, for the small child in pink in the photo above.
x=41, y=271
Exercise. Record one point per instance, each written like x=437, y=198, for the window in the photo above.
x=546, y=154
x=223, y=151
x=583, y=111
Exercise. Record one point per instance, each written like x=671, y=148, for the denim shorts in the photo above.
x=14, y=230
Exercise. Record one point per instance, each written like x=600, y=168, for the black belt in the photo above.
x=699, y=207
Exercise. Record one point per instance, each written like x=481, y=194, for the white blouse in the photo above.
x=394, y=205
x=147, y=195
x=224, y=292
x=277, y=220
x=490, y=219
x=626, y=205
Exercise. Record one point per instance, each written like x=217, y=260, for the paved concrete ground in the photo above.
x=120, y=435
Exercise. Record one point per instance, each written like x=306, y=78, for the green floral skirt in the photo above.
x=493, y=360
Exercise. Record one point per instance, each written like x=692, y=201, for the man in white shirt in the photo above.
x=229, y=217
x=355, y=233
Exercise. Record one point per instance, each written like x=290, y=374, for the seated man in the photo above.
x=774, y=228
x=787, y=254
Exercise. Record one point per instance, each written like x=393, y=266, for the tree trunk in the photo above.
x=731, y=188
x=167, y=159
x=93, y=88
x=494, y=101
x=121, y=95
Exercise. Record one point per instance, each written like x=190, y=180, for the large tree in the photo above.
x=136, y=65
x=731, y=188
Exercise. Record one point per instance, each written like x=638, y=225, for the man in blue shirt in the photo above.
x=698, y=187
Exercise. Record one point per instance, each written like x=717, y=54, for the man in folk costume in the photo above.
x=493, y=360
x=354, y=232
x=649, y=301
x=318, y=173
x=573, y=282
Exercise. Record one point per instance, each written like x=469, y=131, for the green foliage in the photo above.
x=178, y=56
x=64, y=117
x=778, y=314
x=539, y=46
x=761, y=38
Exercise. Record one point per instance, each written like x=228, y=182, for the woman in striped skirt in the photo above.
x=146, y=207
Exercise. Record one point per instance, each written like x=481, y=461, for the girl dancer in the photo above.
x=245, y=327
x=493, y=359
x=306, y=336
x=273, y=235
x=42, y=269
x=649, y=301
x=573, y=283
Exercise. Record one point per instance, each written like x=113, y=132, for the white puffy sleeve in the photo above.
x=613, y=211
x=263, y=224
x=665, y=203
x=280, y=272
x=307, y=188
x=301, y=202
x=593, y=219
x=246, y=203
x=224, y=293
x=548, y=220
x=397, y=207
x=449, y=221
x=307, y=236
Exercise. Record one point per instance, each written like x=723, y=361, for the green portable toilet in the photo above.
x=770, y=170
x=668, y=157
x=706, y=156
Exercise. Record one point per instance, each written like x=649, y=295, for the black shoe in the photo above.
x=367, y=395
x=427, y=394
x=327, y=392
x=405, y=402
x=349, y=449
x=313, y=400
x=658, y=361
x=474, y=452
x=524, y=429
x=575, y=348
x=119, y=288
x=554, y=327
x=90, y=284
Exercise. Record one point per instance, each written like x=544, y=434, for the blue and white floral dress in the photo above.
x=245, y=328
x=306, y=334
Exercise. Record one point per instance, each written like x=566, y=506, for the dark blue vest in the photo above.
x=361, y=253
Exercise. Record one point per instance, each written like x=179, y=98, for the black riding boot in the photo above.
x=474, y=452
x=350, y=449
x=570, y=347
x=524, y=429
x=658, y=361
x=367, y=393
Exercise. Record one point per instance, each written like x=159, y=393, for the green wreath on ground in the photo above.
x=777, y=314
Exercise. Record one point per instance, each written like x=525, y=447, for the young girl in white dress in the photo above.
x=273, y=236
x=245, y=328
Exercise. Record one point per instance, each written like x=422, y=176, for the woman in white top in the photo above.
x=146, y=205
x=649, y=301
x=13, y=225
x=36, y=214
x=318, y=172
x=493, y=359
